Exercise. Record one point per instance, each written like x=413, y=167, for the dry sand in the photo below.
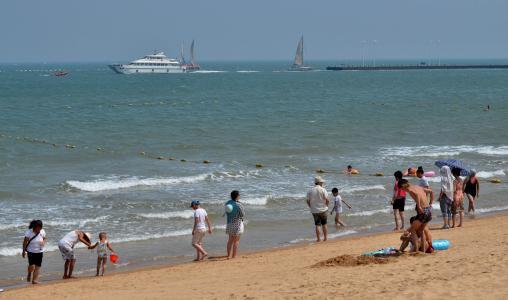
x=474, y=267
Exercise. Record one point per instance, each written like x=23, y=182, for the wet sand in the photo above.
x=474, y=267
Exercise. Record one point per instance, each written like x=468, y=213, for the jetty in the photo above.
x=415, y=67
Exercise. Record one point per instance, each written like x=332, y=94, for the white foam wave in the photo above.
x=330, y=236
x=485, y=174
x=256, y=201
x=491, y=209
x=79, y=223
x=129, y=182
x=361, y=188
x=247, y=71
x=184, y=214
x=370, y=212
x=442, y=151
x=13, y=251
x=11, y=226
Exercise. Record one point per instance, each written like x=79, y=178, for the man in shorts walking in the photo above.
x=317, y=200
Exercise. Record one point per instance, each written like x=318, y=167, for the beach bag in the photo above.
x=242, y=228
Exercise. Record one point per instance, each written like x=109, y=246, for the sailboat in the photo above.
x=298, y=63
x=192, y=65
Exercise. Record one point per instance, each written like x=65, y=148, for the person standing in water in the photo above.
x=33, y=247
x=472, y=191
x=234, y=226
x=446, y=195
x=317, y=201
x=398, y=202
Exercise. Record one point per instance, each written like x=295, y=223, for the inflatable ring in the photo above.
x=440, y=244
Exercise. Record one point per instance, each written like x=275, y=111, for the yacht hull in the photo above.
x=127, y=69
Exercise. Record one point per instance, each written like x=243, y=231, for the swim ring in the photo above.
x=440, y=244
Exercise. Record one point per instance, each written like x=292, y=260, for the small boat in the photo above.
x=298, y=62
x=61, y=73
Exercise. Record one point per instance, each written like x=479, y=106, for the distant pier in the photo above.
x=413, y=67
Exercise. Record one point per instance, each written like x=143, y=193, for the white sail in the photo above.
x=192, y=53
x=299, y=54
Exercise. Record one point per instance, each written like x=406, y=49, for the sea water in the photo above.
x=99, y=151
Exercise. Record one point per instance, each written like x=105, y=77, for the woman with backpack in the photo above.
x=33, y=247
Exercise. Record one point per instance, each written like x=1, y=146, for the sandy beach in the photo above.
x=474, y=267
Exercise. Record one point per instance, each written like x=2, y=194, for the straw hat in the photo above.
x=318, y=180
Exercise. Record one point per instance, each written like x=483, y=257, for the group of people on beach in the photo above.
x=451, y=196
x=451, y=202
x=35, y=240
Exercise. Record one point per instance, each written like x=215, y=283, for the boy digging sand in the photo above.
x=102, y=252
x=337, y=207
x=199, y=230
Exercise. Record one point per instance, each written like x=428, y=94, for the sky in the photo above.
x=122, y=30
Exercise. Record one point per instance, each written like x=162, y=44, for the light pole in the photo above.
x=438, y=53
x=364, y=43
x=374, y=42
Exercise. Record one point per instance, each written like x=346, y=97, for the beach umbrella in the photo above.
x=454, y=164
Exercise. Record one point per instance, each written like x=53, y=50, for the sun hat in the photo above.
x=88, y=236
x=194, y=202
x=318, y=179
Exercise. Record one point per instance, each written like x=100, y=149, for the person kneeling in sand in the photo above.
x=423, y=213
x=406, y=239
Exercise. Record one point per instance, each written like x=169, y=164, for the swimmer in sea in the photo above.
x=351, y=171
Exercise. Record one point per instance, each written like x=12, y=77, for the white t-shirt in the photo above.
x=70, y=239
x=317, y=197
x=35, y=245
x=337, y=202
x=201, y=214
x=423, y=182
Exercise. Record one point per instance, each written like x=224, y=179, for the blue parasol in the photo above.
x=454, y=164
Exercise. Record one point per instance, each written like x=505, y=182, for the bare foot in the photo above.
x=35, y=282
x=204, y=256
x=65, y=277
x=197, y=259
x=396, y=229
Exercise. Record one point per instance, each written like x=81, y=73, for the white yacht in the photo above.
x=154, y=63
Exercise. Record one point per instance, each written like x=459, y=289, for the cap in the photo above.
x=318, y=179
x=194, y=202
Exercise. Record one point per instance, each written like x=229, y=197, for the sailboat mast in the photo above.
x=192, y=53
x=182, y=58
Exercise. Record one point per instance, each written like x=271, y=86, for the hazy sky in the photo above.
x=121, y=30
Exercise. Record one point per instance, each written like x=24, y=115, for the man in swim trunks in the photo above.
x=423, y=213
